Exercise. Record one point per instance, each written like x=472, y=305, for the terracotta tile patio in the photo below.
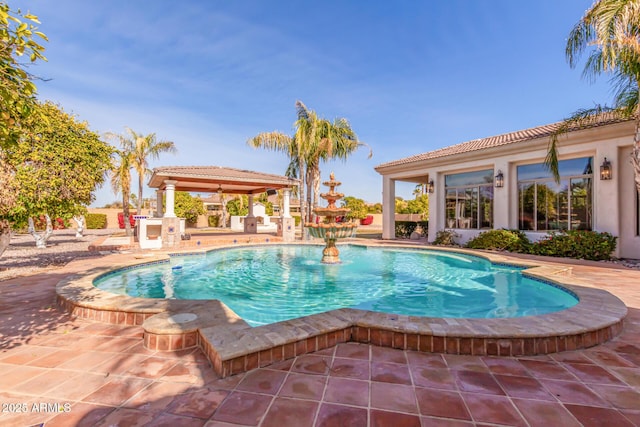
x=63, y=371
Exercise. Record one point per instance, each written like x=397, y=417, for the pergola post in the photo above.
x=388, y=208
x=170, y=188
x=158, y=213
x=286, y=194
x=287, y=224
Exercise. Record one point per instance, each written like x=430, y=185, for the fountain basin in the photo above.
x=331, y=231
x=331, y=212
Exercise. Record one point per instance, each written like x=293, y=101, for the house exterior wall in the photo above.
x=614, y=201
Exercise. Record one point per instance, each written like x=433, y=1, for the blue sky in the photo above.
x=410, y=76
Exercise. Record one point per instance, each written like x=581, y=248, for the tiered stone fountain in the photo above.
x=330, y=230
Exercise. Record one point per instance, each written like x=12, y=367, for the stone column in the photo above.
x=286, y=203
x=388, y=208
x=170, y=188
x=158, y=213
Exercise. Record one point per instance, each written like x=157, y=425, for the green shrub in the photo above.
x=446, y=238
x=405, y=228
x=501, y=240
x=358, y=207
x=213, y=220
x=579, y=244
x=95, y=221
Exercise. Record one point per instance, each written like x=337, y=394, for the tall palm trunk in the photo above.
x=125, y=210
x=316, y=187
x=309, y=184
x=303, y=207
x=635, y=154
x=140, y=179
x=223, y=215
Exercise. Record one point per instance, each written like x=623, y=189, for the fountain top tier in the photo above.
x=331, y=197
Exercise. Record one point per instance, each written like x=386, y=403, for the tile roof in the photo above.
x=209, y=179
x=219, y=172
x=500, y=140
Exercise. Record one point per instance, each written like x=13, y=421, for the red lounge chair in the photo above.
x=367, y=221
x=121, y=219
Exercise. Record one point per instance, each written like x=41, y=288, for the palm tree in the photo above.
x=121, y=181
x=314, y=140
x=611, y=30
x=143, y=148
x=327, y=141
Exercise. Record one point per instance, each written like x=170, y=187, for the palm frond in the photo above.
x=580, y=119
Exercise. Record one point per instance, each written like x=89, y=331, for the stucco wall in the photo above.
x=614, y=200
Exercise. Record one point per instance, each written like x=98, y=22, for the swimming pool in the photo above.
x=268, y=284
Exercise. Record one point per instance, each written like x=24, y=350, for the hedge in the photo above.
x=578, y=244
x=95, y=221
x=501, y=240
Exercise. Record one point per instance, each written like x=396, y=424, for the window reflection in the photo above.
x=546, y=205
x=469, y=200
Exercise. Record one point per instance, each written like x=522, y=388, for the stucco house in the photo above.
x=501, y=182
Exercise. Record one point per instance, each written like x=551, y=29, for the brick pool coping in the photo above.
x=232, y=346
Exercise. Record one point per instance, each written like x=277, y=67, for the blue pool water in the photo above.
x=269, y=284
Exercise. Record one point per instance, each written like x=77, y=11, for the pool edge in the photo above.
x=233, y=347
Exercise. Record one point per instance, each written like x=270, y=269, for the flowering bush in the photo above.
x=579, y=244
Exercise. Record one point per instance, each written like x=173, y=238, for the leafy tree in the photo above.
x=238, y=206
x=419, y=205
x=58, y=163
x=19, y=38
x=376, y=208
x=8, y=197
x=610, y=32
x=358, y=207
x=188, y=207
x=400, y=205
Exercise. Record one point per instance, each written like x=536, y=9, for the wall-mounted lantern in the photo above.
x=605, y=170
x=499, y=179
x=430, y=186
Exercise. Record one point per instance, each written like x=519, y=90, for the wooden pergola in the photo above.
x=220, y=180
